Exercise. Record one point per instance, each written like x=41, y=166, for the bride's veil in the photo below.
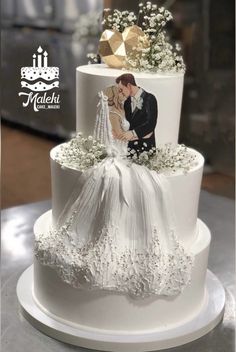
x=103, y=129
x=103, y=134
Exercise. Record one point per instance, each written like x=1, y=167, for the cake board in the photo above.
x=207, y=318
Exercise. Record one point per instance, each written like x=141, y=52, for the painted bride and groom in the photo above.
x=132, y=113
x=119, y=222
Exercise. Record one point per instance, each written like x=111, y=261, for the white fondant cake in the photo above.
x=66, y=185
x=122, y=252
x=192, y=233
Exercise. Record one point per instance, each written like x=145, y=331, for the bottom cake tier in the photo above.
x=115, y=311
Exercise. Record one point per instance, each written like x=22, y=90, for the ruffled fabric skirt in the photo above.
x=117, y=232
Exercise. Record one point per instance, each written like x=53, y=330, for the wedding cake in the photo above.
x=122, y=252
x=60, y=275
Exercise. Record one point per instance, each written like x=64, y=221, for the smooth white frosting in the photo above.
x=167, y=87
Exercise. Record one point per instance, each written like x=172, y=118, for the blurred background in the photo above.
x=68, y=30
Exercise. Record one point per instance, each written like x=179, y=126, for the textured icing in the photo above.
x=117, y=232
x=115, y=311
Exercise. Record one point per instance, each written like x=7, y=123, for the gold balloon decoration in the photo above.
x=114, y=47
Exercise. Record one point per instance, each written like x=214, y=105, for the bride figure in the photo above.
x=111, y=103
x=117, y=231
x=117, y=118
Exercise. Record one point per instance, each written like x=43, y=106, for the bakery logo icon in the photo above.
x=40, y=78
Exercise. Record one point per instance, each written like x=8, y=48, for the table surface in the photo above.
x=17, y=254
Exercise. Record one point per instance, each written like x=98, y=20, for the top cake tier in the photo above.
x=166, y=87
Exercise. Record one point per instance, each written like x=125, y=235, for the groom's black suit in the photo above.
x=142, y=121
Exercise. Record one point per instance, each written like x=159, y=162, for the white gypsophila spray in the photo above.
x=118, y=20
x=160, y=55
x=83, y=153
x=167, y=158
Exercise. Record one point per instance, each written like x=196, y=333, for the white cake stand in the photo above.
x=209, y=316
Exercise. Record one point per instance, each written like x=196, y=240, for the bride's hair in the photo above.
x=114, y=98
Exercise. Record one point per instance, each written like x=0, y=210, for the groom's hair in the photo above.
x=125, y=79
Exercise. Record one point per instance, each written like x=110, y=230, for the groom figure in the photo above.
x=141, y=112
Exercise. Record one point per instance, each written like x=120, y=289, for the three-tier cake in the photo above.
x=121, y=259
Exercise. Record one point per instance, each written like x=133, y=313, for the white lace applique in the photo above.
x=102, y=264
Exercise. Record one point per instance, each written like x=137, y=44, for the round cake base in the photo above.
x=209, y=316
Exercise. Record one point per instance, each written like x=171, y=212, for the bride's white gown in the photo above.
x=117, y=231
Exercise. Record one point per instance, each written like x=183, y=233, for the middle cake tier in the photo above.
x=185, y=190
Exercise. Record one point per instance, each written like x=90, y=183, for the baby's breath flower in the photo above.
x=81, y=153
x=167, y=159
x=159, y=55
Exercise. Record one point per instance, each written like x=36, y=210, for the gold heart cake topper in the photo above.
x=115, y=47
